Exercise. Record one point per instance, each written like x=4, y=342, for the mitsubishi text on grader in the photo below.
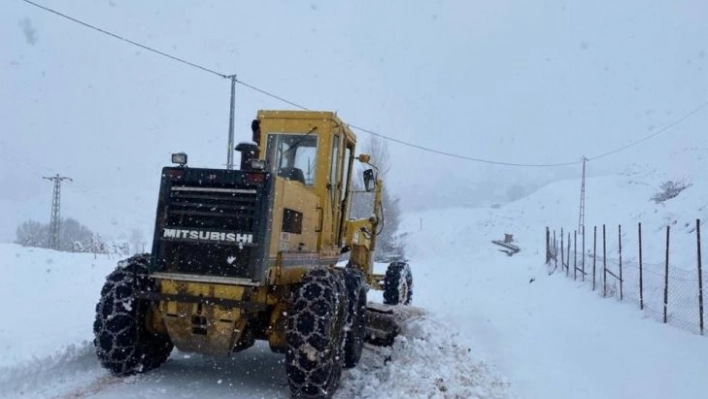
x=252, y=254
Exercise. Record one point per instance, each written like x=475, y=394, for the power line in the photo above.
x=662, y=130
x=21, y=161
x=106, y=202
x=271, y=95
x=487, y=161
x=279, y=98
x=127, y=40
x=452, y=155
x=405, y=143
x=385, y=137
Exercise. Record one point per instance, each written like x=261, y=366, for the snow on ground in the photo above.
x=430, y=359
x=53, y=297
x=485, y=325
x=47, y=350
x=552, y=337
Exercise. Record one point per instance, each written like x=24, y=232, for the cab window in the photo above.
x=334, y=170
x=293, y=156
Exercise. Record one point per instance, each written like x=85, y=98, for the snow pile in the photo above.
x=428, y=360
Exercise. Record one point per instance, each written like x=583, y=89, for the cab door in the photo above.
x=342, y=196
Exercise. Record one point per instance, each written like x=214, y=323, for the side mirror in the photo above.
x=369, y=180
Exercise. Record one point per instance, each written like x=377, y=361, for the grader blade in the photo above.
x=382, y=325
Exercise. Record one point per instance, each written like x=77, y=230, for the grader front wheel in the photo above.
x=398, y=284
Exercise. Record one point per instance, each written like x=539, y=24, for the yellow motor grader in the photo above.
x=254, y=254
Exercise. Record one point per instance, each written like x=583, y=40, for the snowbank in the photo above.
x=429, y=359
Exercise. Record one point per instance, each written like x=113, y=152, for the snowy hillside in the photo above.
x=551, y=336
x=622, y=198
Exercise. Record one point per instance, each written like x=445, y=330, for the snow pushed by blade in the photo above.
x=428, y=359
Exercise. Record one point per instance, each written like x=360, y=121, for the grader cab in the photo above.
x=255, y=254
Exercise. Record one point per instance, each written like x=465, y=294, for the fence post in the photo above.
x=568, y=269
x=562, y=251
x=594, y=255
x=604, y=262
x=666, y=276
x=641, y=270
x=583, y=259
x=548, y=246
x=555, y=250
x=700, y=274
x=619, y=229
x=575, y=255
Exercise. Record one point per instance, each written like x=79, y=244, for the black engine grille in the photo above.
x=213, y=210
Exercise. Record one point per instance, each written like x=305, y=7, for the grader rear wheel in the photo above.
x=315, y=334
x=123, y=343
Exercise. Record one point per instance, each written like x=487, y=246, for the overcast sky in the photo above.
x=515, y=81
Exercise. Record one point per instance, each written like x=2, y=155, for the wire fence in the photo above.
x=666, y=291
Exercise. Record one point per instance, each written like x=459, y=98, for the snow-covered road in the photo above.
x=47, y=350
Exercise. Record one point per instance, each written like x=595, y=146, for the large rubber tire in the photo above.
x=123, y=343
x=315, y=334
x=356, y=321
x=398, y=284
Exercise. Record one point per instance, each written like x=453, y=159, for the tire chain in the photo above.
x=398, y=280
x=315, y=334
x=123, y=344
x=356, y=321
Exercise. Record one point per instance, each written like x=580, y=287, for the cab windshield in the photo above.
x=293, y=156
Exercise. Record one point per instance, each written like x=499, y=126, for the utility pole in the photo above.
x=55, y=220
x=230, y=154
x=581, y=217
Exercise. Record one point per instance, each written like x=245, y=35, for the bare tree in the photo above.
x=98, y=245
x=137, y=240
x=32, y=234
x=390, y=245
x=380, y=154
x=670, y=189
x=74, y=237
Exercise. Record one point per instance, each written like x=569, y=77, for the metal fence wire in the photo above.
x=668, y=292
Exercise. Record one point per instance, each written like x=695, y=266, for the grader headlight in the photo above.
x=179, y=158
